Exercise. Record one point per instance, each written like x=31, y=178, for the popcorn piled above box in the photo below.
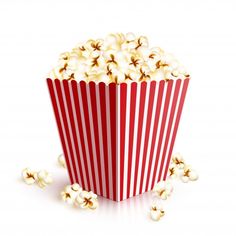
x=117, y=58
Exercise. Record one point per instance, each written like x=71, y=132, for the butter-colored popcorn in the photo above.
x=117, y=58
x=173, y=171
x=61, y=160
x=44, y=178
x=163, y=189
x=156, y=212
x=188, y=174
x=70, y=193
x=87, y=200
x=76, y=188
x=29, y=176
x=178, y=160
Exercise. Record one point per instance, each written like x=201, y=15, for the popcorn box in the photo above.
x=118, y=138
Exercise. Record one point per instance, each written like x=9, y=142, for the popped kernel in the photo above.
x=156, y=212
x=87, y=200
x=61, y=160
x=188, y=174
x=70, y=193
x=29, y=176
x=163, y=189
x=178, y=160
x=44, y=178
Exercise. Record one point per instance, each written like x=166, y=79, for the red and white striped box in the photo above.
x=118, y=138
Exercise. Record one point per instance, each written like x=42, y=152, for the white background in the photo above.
x=200, y=33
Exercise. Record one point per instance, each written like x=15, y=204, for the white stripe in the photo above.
x=150, y=137
x=143, y=134
x=118, y=142
x=109, y=141
x=126, y=154
x=64, y=132
x=85, y=138
x=173, y=124
x=70, y=132
x=136, y=115
x=93, y=140
x=78, y=137
x=157, y=135
x=159, y=170
x=101, y=142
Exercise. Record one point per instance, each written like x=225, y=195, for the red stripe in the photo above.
x=172, y=112
x=139, y=133
x=112, y=96
x=176, y=125
x=147, y=133
x=70, y=111
x=96, y=134
x=65, y=122
x=79, y=123
x=163, y=123
x=59, y=125
x=161, y=85
x=123, y=96
x=88, y=131
x=102, y=93
x=133, y=95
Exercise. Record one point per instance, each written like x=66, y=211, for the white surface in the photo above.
x=201, y=34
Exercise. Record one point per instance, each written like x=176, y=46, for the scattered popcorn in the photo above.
x=44, y=178
x=70, y=193
x=188, y=174
x=87, y=200
x=163, y=189
x=173, y=171
x=178, y=160
x=61, y=160
x=29, y=176
x=178, y=168
x=156, y=212
x=118, y=58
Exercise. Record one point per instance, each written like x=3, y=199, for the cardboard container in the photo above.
x=117, y=139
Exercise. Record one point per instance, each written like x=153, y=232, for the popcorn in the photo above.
x=61, y=160
x=29, y=176
x=87, y=200
x=117, y=58
x=74, y=195
x=156, y=212
x=188, y=174
x=178, y=160
x=163, y=189
x=70, y=193
x=44, y=178
x=173, y=171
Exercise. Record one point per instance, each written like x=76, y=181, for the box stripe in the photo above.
x=60, y=127
x=77, y=120
x=70, y=119
x=149, y=112
x=95, y=133
x=80, y=130
x=176, y=125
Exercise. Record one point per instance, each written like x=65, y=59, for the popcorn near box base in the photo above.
x=76, y=196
